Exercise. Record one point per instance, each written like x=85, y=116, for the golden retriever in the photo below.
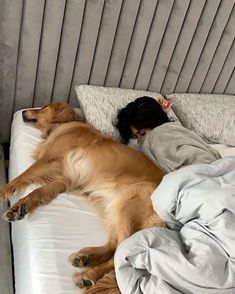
x=117, y=179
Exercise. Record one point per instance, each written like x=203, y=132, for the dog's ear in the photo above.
x=62, y=113
x=65, y=113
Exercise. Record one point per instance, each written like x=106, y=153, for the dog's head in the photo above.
x=49, y=117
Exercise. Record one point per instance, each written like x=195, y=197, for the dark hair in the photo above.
x=144, y=112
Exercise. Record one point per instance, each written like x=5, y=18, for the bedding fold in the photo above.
x=196, y=253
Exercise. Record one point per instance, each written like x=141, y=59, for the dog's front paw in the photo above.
x=82, y=281
x=16, y=212
x=79, y=259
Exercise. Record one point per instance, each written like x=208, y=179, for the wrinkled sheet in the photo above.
x=196, y=253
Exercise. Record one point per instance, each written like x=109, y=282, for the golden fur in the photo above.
x=115, y=178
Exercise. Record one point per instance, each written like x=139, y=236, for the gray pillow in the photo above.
x=100, y=105
x=211, y=116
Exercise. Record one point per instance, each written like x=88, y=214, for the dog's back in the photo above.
x=107, y=156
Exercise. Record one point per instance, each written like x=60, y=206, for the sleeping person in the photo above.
x=169, y=144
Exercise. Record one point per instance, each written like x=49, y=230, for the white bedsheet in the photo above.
x=43, y=241
x=224, y=150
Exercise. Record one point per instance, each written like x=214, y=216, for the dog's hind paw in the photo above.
x=14, y=213
x=79, y=259
x=82, y=281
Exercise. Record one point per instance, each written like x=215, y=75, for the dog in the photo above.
x=117, y=179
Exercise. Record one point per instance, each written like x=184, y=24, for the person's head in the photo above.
x=144, y=114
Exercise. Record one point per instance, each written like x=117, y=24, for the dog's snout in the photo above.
x=27, y=117
x=24, y=114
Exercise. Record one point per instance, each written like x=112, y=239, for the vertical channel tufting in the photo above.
x=10, y=26
x=197, y=44
x=32, y=18
x=49, y=46
x=182, y=46
x=87, y=44
x=122, y=40
x=108, y=27
x=220, y=56
x=137, y=44
x=152, y=48
x=71, y=33
x=230, y=87
x=212, y=42
x=50, y=41
x=226, y=71
x=170, y=38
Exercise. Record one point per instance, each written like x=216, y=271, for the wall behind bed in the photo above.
x=48, y=46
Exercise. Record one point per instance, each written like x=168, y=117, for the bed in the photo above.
x=43, y=241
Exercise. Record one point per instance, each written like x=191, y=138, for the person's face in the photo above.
x=139, y=134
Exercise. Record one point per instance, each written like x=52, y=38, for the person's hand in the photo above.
x=165, y=104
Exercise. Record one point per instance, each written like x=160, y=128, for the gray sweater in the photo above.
x=171, y=146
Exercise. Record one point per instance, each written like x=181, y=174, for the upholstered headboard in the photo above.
x=49, y=46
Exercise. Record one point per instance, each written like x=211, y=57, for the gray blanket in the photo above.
x=196, y=254
x=172, y=146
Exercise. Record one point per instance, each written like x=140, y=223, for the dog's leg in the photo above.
x=123, y=228
x=38, y=173
x=93, y=256
x=40, y=196
x=106, y=285
x=87, y=279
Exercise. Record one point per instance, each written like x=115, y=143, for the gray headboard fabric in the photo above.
x=49, y=46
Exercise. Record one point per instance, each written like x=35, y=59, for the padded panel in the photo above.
x=6, y=283
x=48, y=47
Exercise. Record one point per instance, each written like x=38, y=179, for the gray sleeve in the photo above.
x=172, y=146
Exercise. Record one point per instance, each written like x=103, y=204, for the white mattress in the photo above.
x=43, y=241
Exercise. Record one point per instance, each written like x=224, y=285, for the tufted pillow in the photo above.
x=100, y=105
x=211, y=116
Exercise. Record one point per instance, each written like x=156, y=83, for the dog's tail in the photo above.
x=106, y=285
